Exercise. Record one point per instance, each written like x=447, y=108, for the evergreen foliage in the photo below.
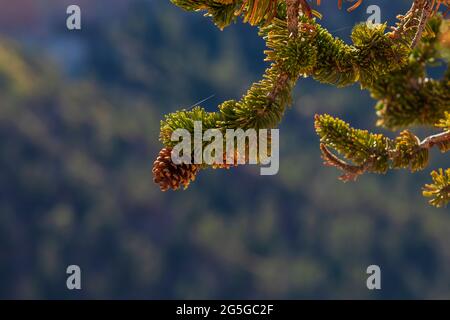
x=439, y=190
x=392, y=65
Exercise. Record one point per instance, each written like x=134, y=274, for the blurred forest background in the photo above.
x=79, y=125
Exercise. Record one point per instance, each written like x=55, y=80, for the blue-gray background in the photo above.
x=79, y=123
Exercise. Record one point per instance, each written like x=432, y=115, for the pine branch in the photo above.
x=293, y=9
x=441, y=140
x=377, y=153
x=415, y=19
x=391, y=65
x=364, y=148
x=409, y=96
x=221, y=11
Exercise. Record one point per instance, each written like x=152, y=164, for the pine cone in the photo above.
x=169, y=175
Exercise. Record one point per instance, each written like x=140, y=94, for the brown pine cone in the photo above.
x=169, y=175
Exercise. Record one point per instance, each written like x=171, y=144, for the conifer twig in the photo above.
x=437, y=139
x=427, y=10
x=417, y=16
x=293, y=9
x=351, y=172
x=407, y=150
